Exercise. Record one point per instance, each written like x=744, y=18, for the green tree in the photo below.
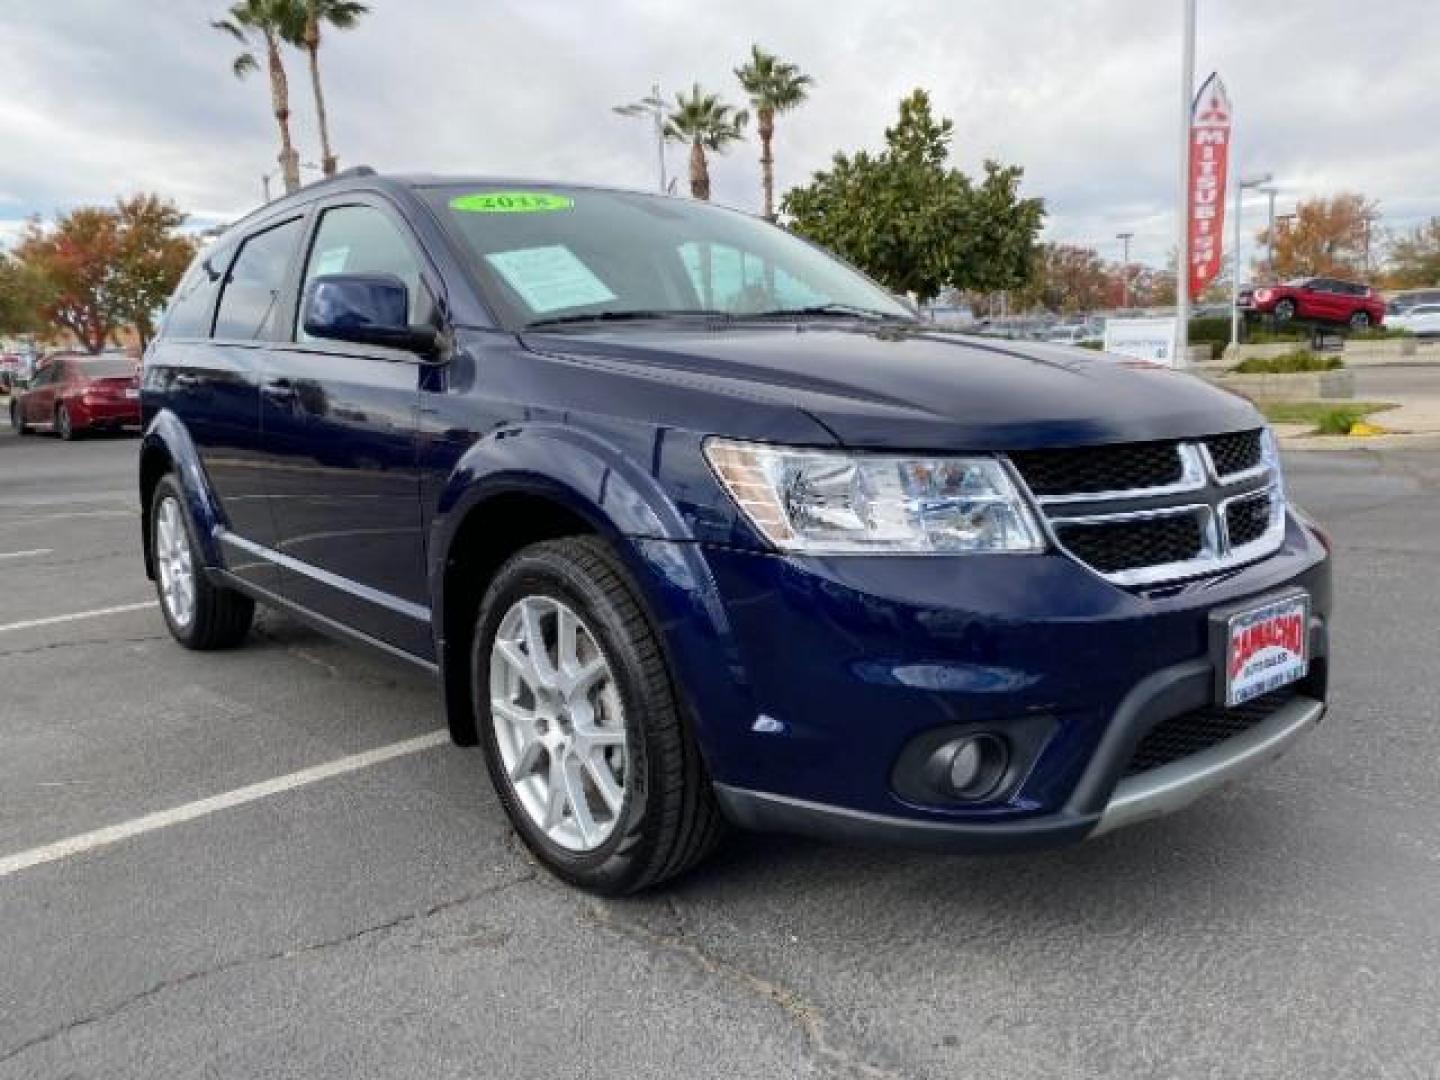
x=153, y=255
x=913, y=222
x=269, y=22
x=1415, y=257
x=342, y=15
x=1328, y=237
x=99, y=269
x=1066, y=278
x=24, y=294
x=704, y=122
x=774, y=87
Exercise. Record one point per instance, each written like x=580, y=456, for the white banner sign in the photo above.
x=1142, y=339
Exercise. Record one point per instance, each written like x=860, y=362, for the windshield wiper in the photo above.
x=626, y=316
x=828, y=311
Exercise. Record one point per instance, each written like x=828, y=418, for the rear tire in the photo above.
x=199, y=614
x=664, y=818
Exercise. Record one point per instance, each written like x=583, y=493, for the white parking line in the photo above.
x=75, y=616
x=113, y=834
x=32, y=553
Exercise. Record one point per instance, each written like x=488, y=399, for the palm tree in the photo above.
x=342, y=15
x=774, y=87
x=271, y=21
x=706, y=123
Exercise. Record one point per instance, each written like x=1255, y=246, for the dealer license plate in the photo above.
x=1266, y=647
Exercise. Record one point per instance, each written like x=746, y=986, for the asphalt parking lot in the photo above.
x=376, y=919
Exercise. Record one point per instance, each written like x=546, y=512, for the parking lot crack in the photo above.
x=178, y=981
x=51, y=646
x=805, y=1015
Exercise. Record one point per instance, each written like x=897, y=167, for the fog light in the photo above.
x=976, y=765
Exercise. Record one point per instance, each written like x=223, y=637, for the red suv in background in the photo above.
x=1318, y=299
x=74, y=394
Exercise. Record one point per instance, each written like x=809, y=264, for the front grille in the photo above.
x=1189, y=733
x=1235, y=453
x=1248, y=519
x=1089, y=470
x=1149, y=513
x=1128, y=544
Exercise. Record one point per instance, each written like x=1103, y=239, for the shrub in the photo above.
x=1338, y=421
x=1211, y=330
x=1380, y=333
x=1290, y=363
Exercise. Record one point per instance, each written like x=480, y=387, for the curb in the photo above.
x=1346, y=443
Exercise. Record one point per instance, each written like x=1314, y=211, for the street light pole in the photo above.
x=1240, y=185
x=653, y=107
x=1125, y=238
x=1182, y=227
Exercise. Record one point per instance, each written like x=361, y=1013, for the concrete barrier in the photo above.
x=1302, y=386
x=1392, y=351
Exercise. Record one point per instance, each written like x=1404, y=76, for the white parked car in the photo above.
x=1422, y=320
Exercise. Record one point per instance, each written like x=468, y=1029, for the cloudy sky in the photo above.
x=102, y=97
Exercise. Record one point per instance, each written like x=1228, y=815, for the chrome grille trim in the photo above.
x=1215, y=495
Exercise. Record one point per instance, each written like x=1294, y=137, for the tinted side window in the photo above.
x=364, y=240
x=194, y=301
x=251, y=297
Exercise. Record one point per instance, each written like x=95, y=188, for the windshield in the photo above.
x=554, y=255
x=105, y=367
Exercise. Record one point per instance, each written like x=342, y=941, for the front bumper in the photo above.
x=813, y=677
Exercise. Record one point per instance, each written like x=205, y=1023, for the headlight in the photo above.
x=820, y=501
x=1263, y=295
x=1270, y=455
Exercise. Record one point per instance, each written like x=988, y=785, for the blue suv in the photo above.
x=695, y=524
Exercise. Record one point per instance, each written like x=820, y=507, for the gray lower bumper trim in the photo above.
x=1160, y=791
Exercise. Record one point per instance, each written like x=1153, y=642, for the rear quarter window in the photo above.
x=193, y=305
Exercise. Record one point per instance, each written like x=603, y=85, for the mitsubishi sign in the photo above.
x=1209, y=156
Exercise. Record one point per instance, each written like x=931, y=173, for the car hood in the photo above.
x=884, y=388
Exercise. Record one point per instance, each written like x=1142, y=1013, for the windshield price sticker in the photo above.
x=511, y=202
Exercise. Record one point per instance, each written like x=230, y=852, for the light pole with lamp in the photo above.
x=653, y=107
x=1241, y=184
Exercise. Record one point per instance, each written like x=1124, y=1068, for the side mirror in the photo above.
x=367, y=309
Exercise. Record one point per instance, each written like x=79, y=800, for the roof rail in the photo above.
x=344, y=174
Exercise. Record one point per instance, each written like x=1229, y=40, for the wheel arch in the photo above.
x=517, y=487
x=166, y=447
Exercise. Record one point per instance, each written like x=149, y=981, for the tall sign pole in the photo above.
x=1182, y=216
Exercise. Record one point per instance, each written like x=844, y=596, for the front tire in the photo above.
x=1360, y=321
x=581, y=730
x=16, y=419
x=200, y=615
x=1284, y=311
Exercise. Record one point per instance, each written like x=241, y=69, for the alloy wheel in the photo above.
x=559, y=723
x=173, y=560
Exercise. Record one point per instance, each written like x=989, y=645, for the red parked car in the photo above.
x=1317, y=299
x=70, y=395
